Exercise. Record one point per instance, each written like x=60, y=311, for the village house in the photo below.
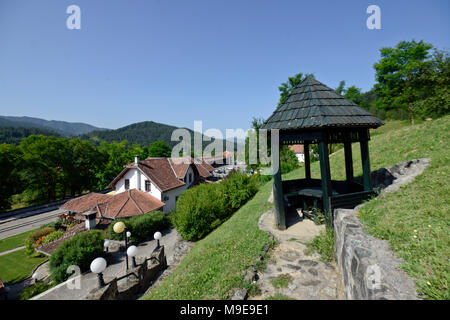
x=299, y=151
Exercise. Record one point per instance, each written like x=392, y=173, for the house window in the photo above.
x=127, y=184
x=166, y=198
x=148, y=186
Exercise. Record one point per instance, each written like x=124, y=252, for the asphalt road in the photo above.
x=15, y=226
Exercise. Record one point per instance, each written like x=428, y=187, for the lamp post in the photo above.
x=98, y=265
x=119, y=227
x=106, y=245
x=157, y=236
x=34, y=277
x=132, y=252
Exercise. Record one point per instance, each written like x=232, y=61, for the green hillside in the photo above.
x=63, y=128
x=15, y=135
x=216, y=265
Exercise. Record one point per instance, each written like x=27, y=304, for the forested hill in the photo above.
x=142, y=133
x=15, y=135
x=63, y=128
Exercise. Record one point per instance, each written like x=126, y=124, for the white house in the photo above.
x=162, y=178
x=299, y=152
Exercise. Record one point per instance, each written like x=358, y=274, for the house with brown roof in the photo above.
x=299, y=151
x=162, y=178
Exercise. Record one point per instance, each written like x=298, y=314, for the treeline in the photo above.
x=46, y=168
x=15, y=135
x=412, y=82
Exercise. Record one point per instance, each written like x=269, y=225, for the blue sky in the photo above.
x=179, y=61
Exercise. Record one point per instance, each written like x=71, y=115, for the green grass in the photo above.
x=324, y=245
x=14, y=241
x=16, y=266
x=216, y=265
x=282, y=281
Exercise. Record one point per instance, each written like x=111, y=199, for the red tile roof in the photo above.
x=297, y=148
x=166, y=173
x=124, y=204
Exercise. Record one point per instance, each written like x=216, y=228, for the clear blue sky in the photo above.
x=179, y=61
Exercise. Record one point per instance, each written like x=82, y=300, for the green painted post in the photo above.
x=280, y=216
x=307, y=161
x=365, y=164
x=348, y=161
x=326, y=180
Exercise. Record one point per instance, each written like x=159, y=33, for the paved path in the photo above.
x=88, y=281
x=311, y=279
x=15, y=225
x=11, y=250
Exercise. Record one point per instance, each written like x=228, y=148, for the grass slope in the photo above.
x=217, y=264
x=16, y=266
x=15, y=241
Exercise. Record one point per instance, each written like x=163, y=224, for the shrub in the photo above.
x=34, y=290
x=55, y=235
x=36, y=238
x=141, y=227
x=203, y=208
x=80, y=251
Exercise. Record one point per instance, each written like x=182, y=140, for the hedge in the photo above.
x=142, y=227
x=79, y=251
x=203, y=208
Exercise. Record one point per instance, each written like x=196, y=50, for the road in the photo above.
x=13, y=226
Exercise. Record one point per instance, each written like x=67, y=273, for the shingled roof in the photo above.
x=313, y=105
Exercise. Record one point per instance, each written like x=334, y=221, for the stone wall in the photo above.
x=136, y=282
x=369, y=269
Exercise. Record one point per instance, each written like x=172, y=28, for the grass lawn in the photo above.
x=14, y=241
x=216, y=265
x=16, y=266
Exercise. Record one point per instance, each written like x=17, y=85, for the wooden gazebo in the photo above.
x=315, y=114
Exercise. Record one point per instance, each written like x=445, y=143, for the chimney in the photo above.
x=136, y=160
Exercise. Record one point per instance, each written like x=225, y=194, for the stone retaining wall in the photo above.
x=370, y=270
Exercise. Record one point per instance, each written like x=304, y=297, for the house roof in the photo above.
x=51, y=247
x=166, y=173
x=297, y=148
x=125, y=204
x=313, y=105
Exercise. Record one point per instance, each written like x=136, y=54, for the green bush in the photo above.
x=42, y=232
x=34, y=290
x=55, y=235
x=141, y=227
x=30, y=241
x=80, y=251
x=203, y=208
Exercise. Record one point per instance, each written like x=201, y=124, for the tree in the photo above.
x=159, y=149
x=353, y=94
x=287, y=87
x=116, y=157
x=340, y=89
x=10, y=165
x=398, y=75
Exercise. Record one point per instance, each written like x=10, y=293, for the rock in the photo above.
x=240, y=294
x=308, y=263
x=292, y=286
x=313, y=272
x=310, y=283
x=291, y=266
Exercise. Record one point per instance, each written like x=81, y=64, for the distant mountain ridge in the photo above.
x=63, y=128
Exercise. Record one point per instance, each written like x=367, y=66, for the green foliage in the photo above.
x=288, y=159
x=55, y=235
x=15, y=135
x=31, y=241
x=159, y=149
x=10, y=165
x=287, y=87
x=203, y=208
x=282, y=281
x=324, y=245
x=141, y=227
x=34, y=290
x=80, y=251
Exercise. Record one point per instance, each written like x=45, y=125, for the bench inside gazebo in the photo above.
x=315, y=114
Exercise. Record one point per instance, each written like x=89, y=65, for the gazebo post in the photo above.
x=326, y=179
x=280, y=215
x=348, y=161
x=365, y=165
x=307, y=161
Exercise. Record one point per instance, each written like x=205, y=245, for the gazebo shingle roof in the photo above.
x=313, y=105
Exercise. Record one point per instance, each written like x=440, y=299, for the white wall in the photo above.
x=172, y=194
x=186, y=177
x=300, y=157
